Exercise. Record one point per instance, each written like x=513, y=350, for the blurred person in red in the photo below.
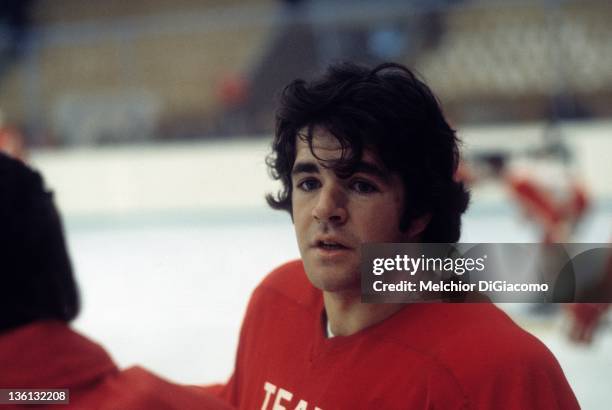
x=551, y=196
x=542, y=183
x=38, y=300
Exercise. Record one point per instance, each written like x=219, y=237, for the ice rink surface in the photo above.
x=169, y=291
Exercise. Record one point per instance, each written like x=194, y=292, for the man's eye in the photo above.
x=363, y=187
x=309, y=185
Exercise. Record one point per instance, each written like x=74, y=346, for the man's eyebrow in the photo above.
x=362, y=167
x=305, y=168
x=372, y=169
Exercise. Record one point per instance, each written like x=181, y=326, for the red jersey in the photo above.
x=426, y=356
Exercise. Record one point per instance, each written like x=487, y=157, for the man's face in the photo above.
x=334, y=216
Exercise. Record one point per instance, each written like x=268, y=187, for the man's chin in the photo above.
x=334, y=281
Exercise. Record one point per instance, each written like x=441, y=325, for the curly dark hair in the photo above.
x=385, y=109
x=35, y=269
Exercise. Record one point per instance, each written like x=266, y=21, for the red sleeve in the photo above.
x=211, y=389
x=137, y=388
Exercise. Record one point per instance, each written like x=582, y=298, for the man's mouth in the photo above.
x=330, y=245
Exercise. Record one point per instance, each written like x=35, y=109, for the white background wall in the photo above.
x=227, y=175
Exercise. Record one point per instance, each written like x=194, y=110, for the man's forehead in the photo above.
x=327, y=147
x=324, y=144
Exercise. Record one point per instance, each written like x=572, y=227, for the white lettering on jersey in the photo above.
x=270, y=389
x=302, y=405
x=282, y=396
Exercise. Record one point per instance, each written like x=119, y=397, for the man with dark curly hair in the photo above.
x=366, y=156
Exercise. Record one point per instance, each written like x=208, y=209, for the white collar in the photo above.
x=330, y=334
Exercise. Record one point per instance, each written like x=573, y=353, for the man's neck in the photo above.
x=347, y=315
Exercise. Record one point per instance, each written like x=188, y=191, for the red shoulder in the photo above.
x=289, y=281
x=288, y=275
x=490, y=354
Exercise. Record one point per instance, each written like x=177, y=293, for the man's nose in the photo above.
x=331, y=205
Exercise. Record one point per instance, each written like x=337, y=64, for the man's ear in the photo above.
x=417, y=226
